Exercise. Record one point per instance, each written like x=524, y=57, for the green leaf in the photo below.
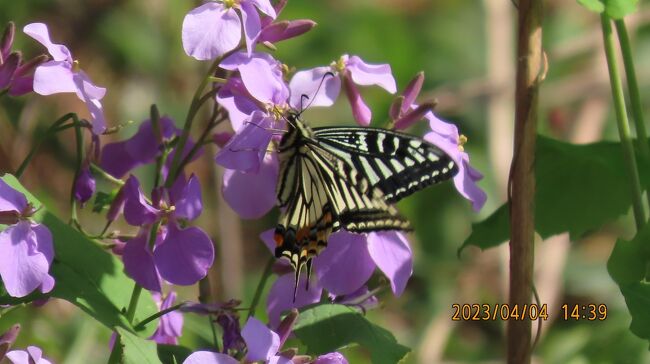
x=136, y=350
x=103, y=200
x=173, y=353
x=637, y=298
x=593, y=5
x=616, y=9
x=326, y=328
x=627, y=263
x=579, y=188
x=87, y=275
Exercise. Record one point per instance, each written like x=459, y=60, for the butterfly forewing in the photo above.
x=396, y=163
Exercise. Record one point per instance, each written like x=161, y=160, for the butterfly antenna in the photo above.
x=303, y=96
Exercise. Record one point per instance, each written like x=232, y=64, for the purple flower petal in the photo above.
x=209, y=357
x=283, y=30
x=137, y=210
x=95, y=109
x=232, y=339
x=185, y=255
x=7, y=39
x=7, y=69
x=252, y=25
x=252, y=195
x=360, y=111
x=40, y=33
x=190, y=206
x=263, y=81
x=465, y=182
x=210, y=31
x=277, y=359
x=84, y=185
x=267, y=237
x=245, y=151
x=280, y=296
x=139, y=263
x=391, y=252
x=54, y=77
x=86, y=89
x=10, y=199
x=265, y=7
x=467, y=177
x=170, y=326
x=345, y=265
x=234, y=97
x=308, y=82
x=8, y=338
x=25, y=259
x=366, y=74
x=262, y=343
x=411, y=91
x=331, y=358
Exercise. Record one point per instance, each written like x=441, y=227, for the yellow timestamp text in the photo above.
x=498, y=311
x=589, y=312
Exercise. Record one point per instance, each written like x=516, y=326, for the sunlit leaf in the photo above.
x=579, y=188
x=326, y=328
x=86, y=275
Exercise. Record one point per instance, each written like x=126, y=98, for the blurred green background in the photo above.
x=465, y=48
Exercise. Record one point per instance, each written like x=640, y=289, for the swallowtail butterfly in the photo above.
x=346, y=177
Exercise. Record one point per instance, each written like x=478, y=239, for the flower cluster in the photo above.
x=255, y=92
x=26, y=246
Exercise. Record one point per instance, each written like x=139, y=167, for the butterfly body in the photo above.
x=347, y=177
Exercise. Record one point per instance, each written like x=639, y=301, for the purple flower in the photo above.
x=258, y=86
x=15, y=75
x=445, y=136
x=273, y=32
x=232, y=339
x=351, y=71
x=344, y=268
x=263, y=345
x=142, y=148
x=26, y=250
x=33, y=355
x=171, y=324
x=180, y=255
x=63, y=74
x=7, y=339
x=331, y=358
x=215, y=28
x=84, y=185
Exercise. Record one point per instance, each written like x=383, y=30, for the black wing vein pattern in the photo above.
x=398, y=164
x=333, y=178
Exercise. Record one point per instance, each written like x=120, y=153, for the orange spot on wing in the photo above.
x=279, y=239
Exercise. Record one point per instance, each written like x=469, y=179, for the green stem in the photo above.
x=633, y=89
x=107, y=176
x=137, y=289
x=189, y=119
x=79, y=137
x=260, y=286
x=50, y=131
x=622, y=123
x=144, y=322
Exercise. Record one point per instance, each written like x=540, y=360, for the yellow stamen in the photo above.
x=338, y=66
x=230, y=3
x=461, y=141
x=75, y=66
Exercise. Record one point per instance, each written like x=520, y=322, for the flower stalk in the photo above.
x=622, y=122
x=53, y=129
x=633, y=90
